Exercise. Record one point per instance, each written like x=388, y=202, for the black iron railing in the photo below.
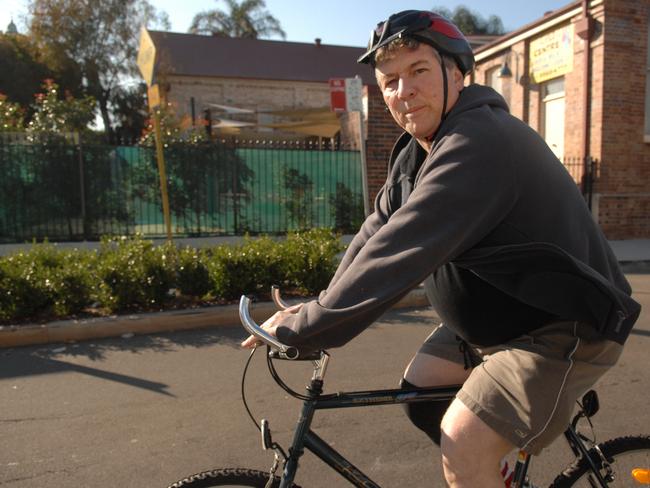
x=60, y=190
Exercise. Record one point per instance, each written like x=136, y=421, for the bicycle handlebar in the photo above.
x=284, y=351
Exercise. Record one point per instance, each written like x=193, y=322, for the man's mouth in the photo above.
x=413, y=110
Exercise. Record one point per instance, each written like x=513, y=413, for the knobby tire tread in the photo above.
x=230, y=476
x=610, y=449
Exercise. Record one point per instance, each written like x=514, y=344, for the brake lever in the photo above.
x=277, y=299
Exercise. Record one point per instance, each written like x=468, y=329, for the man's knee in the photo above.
x=467, y=439
x=426, y=416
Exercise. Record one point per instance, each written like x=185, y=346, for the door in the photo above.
x=553, y=115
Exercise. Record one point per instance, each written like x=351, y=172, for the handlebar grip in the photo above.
x=287, y=352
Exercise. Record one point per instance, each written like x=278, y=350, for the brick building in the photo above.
x=578, y=77
x=256, y=88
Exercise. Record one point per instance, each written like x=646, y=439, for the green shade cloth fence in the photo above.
x=66, y=192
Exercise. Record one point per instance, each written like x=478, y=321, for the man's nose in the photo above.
x=405, y=89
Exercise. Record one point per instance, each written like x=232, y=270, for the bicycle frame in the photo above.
x=305, y=438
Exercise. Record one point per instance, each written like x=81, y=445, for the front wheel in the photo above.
x=228, y=477
x=628, y=458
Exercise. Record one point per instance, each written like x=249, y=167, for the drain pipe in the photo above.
x=584, y=29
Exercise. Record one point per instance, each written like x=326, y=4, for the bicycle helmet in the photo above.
x=426, y=27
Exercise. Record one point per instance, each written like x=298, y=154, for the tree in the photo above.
x=472, y=23
x=99, y=37
x=11, y=115
x=130, y=112
x=21, y=72
x=246, y=19
x=299, y=197
x=55, y=116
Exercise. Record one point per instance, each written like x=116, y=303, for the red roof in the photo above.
x=199, y=55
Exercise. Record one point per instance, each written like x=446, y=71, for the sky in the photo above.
x=339, y=22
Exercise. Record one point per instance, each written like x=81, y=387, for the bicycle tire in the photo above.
x=615, y=451
x=228, y=477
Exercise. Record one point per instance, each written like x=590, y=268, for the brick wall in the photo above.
x=382, y=133
x=624, y=185
x=616, y=110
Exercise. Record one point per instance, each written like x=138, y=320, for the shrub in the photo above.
x=193, y=274
x=250, y=268
x=134, y=274
x=44, y=282
x=311, y=259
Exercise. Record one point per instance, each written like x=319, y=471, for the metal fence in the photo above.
x=584, y=172
x=62, y=191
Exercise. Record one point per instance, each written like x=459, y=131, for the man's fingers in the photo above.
x=250, y=342
x=294, y=308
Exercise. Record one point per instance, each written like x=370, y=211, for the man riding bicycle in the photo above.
x=533, y=304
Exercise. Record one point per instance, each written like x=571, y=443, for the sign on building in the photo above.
x=551, y=55
x=346, y=94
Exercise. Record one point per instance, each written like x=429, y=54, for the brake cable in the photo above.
x=243, y=391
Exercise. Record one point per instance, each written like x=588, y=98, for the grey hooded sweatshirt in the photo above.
x=491, y=198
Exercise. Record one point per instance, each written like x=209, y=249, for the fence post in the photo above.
x=235, y=200
x=82, y=188
x=590, y=165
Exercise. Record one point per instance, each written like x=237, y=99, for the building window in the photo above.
x=492, y=79
x=552, y=115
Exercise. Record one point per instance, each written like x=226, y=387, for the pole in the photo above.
x=162, y=173
x=364, y=167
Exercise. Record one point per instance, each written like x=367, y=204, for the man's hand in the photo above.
x=277, y=319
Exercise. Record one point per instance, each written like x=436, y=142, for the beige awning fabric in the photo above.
x=312, y=127
x=231, y=110
x=320, y=121
x=225, y=123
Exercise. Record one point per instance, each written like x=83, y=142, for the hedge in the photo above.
x=130, y=274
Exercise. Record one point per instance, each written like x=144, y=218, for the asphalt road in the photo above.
x=146, y=411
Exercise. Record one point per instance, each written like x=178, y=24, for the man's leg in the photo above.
x=466, y=440
x=471, y=451
x=429, y=369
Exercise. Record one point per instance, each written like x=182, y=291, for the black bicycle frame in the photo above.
x=305, y=438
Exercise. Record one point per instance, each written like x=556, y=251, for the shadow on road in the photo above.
x=30, y=365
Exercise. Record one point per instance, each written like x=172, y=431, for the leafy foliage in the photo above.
x=45, y=282
x=11, y=115
x=55, y=116
x=472, y=23
x=245, y=19
x=134, y=274
x=347, y=208
x=24, y=67
x=98, y=37
x=131, y=274
x=299, y=190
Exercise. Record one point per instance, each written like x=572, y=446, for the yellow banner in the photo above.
x=551, y=55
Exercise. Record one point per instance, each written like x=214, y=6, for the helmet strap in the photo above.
x=443, y=114
x=444, y=88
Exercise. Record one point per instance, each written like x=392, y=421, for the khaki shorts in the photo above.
x=526, y=389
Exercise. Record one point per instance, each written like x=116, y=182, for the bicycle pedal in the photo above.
x=266, y=434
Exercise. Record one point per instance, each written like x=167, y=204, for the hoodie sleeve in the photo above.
x=369, y=227
x=465, y=188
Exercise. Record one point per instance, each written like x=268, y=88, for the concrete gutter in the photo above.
x=149, y=323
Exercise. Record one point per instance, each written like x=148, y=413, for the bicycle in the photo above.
x=622, y=461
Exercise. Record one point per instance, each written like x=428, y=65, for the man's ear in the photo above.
x=458, y=79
